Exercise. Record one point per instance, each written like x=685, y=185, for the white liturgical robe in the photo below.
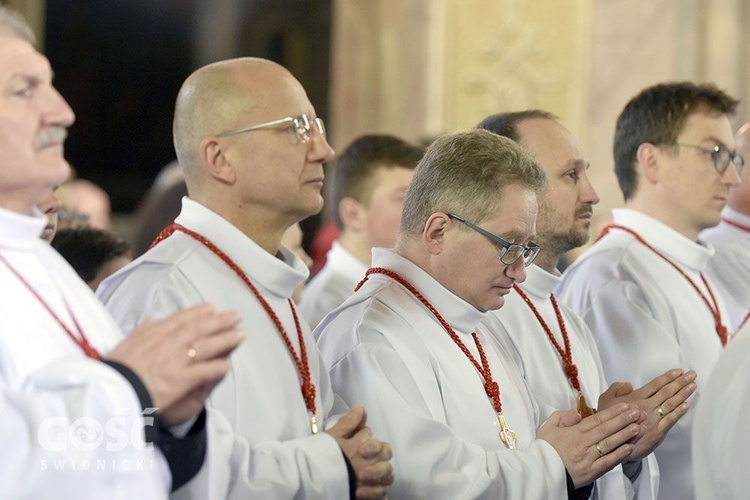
x=260, y=396
x=721, y=436
x=71, y=426
x=517, y=328
x=730, y=265
x=646, y=318
x=332, y=285
x=385, y=350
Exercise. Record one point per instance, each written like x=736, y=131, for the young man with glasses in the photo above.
x=552, y=346
x=252, y=152
x=410, y=346
x=730, y=266
x=642, y=288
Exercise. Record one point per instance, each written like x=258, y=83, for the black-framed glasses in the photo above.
x=302, y=125
x=510, y=252
x=720, y=155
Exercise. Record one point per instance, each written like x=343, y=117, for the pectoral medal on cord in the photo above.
x=301, y=362
x=571, y=370
x=507, y=436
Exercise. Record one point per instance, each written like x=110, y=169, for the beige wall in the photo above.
x=420, y=67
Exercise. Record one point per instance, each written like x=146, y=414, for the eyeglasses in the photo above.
x=510, y=252
x=720, y=155
x=301, y=125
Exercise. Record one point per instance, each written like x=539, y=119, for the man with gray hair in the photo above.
x=80, y=404
x=409, y=343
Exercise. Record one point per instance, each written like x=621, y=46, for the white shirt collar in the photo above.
x=539, y=283
x=21, y=231
x=460, y=315
x=679, y=248
x=278, y=276
x=735, y=216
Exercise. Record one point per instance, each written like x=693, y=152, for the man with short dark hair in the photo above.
x=642, y=288
x=94, y=253
x=410, y=344
x=370, y=180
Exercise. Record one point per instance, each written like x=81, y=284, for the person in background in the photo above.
x=94, y=253
x=370, y=180
x=50, y=206
x=292, y=239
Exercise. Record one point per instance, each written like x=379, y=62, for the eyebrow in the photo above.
x=718, y=142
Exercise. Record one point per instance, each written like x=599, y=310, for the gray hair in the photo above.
x=465, y=173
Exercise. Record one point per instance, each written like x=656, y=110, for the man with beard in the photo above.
x=641, y=287
x=552, y=346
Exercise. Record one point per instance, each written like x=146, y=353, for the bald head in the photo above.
x=739, y=197
x=219, y=97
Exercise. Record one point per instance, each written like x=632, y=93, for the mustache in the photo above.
x=587, y=210
x=52, y=135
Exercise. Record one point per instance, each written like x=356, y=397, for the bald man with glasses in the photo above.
x=252, y=150
x=409, y=344
x=642, y=288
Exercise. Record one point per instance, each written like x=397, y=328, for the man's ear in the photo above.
x=647, y=162
x=433, y=235
x=215, y=162
x=352, y=214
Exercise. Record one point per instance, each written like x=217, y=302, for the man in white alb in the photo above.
x=642, y=288
x=85, y=414
x=370, y=180
x=730, y=265
x=409, y=343
x=252, y=150
x=551, y=344
x=721, y=436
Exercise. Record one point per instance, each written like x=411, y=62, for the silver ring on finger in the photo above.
x=660, y=411
x=192, y=354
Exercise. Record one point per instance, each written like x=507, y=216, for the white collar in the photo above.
x=679, y=248
x=539, y=283
x=278, y=276
x=460, y=315
x=21, y=231
x=735, y=216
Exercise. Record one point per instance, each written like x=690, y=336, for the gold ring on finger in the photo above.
x=660, y=411
x=192, y=354
x=599, y=449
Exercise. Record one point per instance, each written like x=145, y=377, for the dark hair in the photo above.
x=657, y=115
x=356, y=166
x=87, y=249
x=466, y=173
x=506, y=124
